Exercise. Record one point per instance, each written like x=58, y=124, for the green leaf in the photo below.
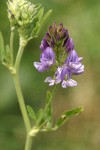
x=40, y=113
x=7, y=54
x=31, y=112
x=35, y=31
x=40, y=116
x=40, y=13
x=41, y=20
x=1, y=47
x=67, y=115
x=7, y=49
x=45, y=17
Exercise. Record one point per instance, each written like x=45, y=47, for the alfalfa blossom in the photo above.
x=47, y=59
x=58, y=54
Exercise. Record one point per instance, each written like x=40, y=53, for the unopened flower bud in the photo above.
x=22, y=14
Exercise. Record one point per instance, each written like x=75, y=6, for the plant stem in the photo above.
x=21, y=102
x=11, y=44
x=30, y=137
x=17, y=85
x=28, y=145
x=19, y=54
x=51, y=98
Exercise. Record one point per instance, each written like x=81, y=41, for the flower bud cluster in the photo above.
x=59, y=55
x=23, y=15
x=58, y=39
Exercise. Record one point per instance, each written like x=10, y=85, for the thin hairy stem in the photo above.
x=21, y=102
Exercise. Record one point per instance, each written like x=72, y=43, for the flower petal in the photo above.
x=50, y=80
x=40, y=66
x=48, y=57
x=68, y=83
x=70, y=44
x=44, y=44
x=71, y=83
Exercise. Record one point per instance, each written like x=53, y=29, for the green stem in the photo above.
x=21, y=102
x=11, y=44
x=51, y=98
x=15, y=76
x=28, y=145
x=20, y=52
x=30, y=137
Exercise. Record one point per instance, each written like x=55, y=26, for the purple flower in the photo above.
x=74, y=63
x=69, y=44
x=65, y=83
x=57, y=35
x=68, y=83
x=54, y=46
x=64, y=73
x=44, y=44
x=47, y=59
x=50, y=80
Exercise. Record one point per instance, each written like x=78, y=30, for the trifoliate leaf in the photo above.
x=31, y=112
x=67, y=115
x=1, y=47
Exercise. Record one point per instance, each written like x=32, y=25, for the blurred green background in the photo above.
x=82, y=18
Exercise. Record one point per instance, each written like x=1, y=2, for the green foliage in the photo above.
x=7, y=54
x=40, y=13
x=1, y=47
x=35, y=31
x=45, y=17
x=31, y=113
x=65, y=116
x=40, y=119
x=48, y=112
x=44, y=117
x=41, y=21
x=4, y=52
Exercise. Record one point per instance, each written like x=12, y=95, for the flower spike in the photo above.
x=58, y=54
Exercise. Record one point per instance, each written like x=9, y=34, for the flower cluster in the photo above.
x=22, y=14
x=58, y=54
x=27, y=17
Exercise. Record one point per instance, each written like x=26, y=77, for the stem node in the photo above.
x=12, y=70
x=34, y=131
